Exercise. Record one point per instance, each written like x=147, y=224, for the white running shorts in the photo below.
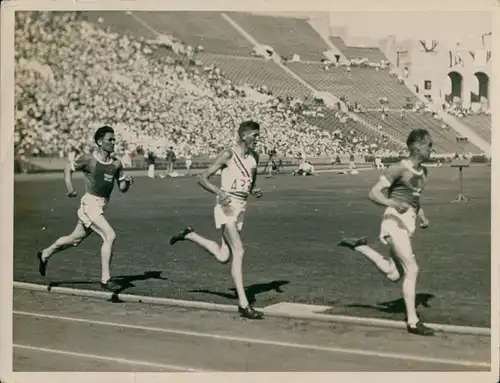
x=91, y=207
x=234, y=212
x=395, y=224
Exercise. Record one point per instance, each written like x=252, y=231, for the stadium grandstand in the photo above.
x=183, y=79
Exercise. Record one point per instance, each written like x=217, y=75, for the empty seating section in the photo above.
x=208, y=29
x=363, y=85
x=286, y=36
x=372, y=54
x=225, y=47
x=256, y=72
x=481, y=124
x=445, y=140
x=119, y=22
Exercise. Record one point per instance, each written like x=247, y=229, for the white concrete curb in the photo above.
x=466, y=330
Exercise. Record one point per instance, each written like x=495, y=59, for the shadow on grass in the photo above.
x=251, y=291
x=396, y=306
x=123, y=281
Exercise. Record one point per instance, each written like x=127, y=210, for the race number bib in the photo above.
x=242, y=184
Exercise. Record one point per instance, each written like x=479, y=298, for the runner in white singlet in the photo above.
x=238, y=167
x=236, y=180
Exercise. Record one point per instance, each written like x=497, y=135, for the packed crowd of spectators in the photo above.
x=72, y=76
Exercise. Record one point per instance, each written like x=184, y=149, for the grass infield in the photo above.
x=290, y=238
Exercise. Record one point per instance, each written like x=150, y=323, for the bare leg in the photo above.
x=402, y=262
x=231, y=245
x=233, y=238
x=386, y=265
x=220, y=252
x=72, y=240
x=403, y=251
x=101, y=226
x=62, y=243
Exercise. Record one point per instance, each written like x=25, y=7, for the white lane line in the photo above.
x=380, y=354
x=170, y=367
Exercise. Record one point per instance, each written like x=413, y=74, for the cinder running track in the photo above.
x=54, y=332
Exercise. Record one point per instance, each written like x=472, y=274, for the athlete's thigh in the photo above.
x=401, y=248
x=223, y=240
x=102, y=227
x=80, y=232
x=225, y=247
x=394, y=257
x=232, y=237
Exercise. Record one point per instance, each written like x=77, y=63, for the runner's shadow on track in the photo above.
x=397, y=306
x=123, y=281
x=251, y=291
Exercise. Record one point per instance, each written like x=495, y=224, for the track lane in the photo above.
x=202, y=340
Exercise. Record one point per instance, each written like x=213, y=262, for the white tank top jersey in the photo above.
x=236, y=177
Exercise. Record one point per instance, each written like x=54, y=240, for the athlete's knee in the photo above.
x=224, y=254
x=238, y=253
x=411, y=269
x=233, y=240
x=224, y=258
x=237, y=263
x=415, y=268
x=394, y=275
x=109, y=236
x=74, y=239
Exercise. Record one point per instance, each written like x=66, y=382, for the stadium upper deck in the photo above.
x=227, y=48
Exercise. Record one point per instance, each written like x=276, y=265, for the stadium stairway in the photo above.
x=286, y=35
x=445, y=140
x=481, y=124
x=466, y=131
x=389, y=88
x=460, y=127
x=256, y=72
x=279, y=34
x=363, y=85
x=228, y=39
x=330, y=123
x=292, y=36
x=353, y=53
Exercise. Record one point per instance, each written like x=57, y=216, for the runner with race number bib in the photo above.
x=238, y=167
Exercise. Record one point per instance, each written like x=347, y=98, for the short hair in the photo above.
x=247, y=126
x=416, y=135
x=101, y=132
